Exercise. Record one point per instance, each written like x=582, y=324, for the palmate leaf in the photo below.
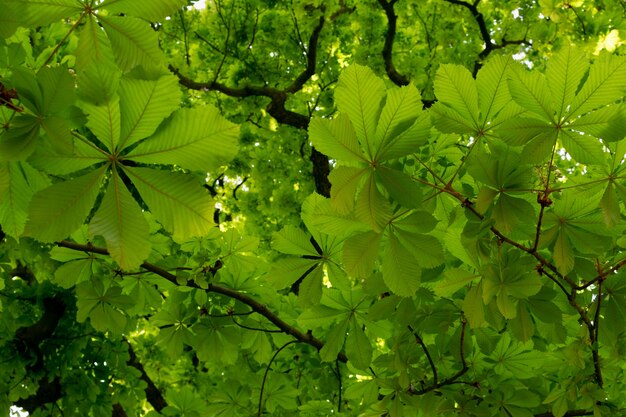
x=103, y=305
x=57, y=211
x=82, y=156
x=359, y=94
x=407, y=142
x=122, y=224
x=176, y=200
x=19, y=142
x=144, y=104
x=197, y=139
x=133, y=40
x=151, y=11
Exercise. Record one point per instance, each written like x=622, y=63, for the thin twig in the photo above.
x=267, y=370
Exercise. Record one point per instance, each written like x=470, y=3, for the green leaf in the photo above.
x=605, y=123
x=359, y=94
x=57, y=88
x=522, y=326
x=610, y=205
x=286, y=271
x=310, y=290
x=19, y=183
x=98, y=84
x=360, y=253
x=94, y=48
x=105, y=121
x=196, y=139
x=152, y=11
x=453, y=280
x=144, y=104
x=336, y=138
x=563, y=76
x=318, y=215
x=358, y=346
x=604, y=85
x=83, y=155
x=293, y=241
x=133, y=41
x=447, y=120
x=371, y=207
x=33, y=13
x=401, y=110
x=101, y=305
x=334, y=342
x=473, y=307
x=176, y=200
x=345, y=182
x=400, y=187
x=57, y=211
x=426, y=249
x=19, y=142
x=456, y=89
x=401, y=271
x=528, y=89
x=120, y=221
x=493, y=91
x=409, y=141
x=583, y=148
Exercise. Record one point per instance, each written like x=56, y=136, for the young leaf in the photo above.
x=122, y=224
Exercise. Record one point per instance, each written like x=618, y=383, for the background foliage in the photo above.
x=312, y=207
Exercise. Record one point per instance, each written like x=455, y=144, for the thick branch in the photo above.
x=256, y=306
x=392, y=20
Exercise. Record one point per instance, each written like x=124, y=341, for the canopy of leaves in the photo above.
x=373, y=208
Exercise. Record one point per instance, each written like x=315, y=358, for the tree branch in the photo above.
x=153, y=394
x=276, y=107
x=258, y=307
x=490, y=45
x=392, y=21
